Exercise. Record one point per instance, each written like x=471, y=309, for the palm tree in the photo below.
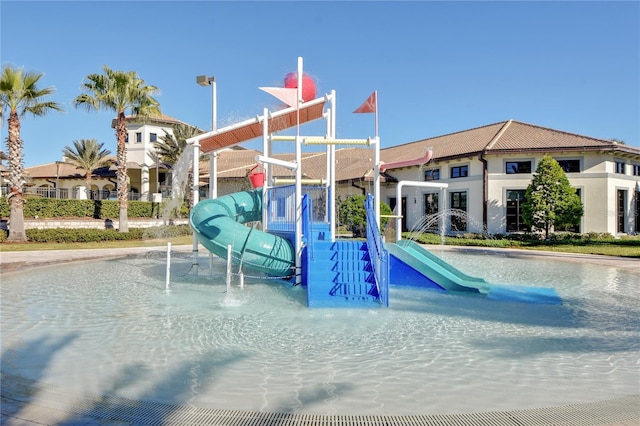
x=170, y=146
x=119, y=91
x=87, y=155
x=20, y=94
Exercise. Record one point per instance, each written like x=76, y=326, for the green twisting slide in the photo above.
x=219, y=223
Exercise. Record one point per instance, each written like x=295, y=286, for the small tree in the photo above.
x=550, y=201
x=87, y=155
x=353, y=215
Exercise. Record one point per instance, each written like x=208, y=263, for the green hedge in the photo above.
x=63, y=235
x=50, y=208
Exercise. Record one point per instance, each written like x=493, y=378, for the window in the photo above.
x=126, y=138
x=459, y=171
x=431, y=209
x=138, y=137
x=635, y=169
x=515, y=199
x=620, y=167
x=514, y=167
x=432, y=174
x=570, y=166
x=153, y=137
x=621, y=208
x=459, y=218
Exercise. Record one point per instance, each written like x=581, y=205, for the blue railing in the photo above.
x=377, y=253
x=307, y=224
x=281, y=206
x=281, y=209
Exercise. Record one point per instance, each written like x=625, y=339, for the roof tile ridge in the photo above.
x=497, y=136
x=609, y=142
x=442, y=136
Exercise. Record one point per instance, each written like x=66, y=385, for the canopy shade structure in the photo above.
x=253, y=128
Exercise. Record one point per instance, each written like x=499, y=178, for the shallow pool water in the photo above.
x=110, y=327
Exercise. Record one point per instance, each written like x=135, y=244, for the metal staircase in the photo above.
x=340, y=273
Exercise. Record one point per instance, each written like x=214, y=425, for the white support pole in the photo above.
x=213, y=158
x=298, y=186
x=327, y=203
x=266, y=151
x=419, y=184
x=196, y=197
x=376, y=181
x=268, y=160
x=333, y=141
x=229, y=271
x=168, y=272
x=332, y=176
x=213, y=175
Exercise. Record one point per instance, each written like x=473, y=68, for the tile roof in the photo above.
x=519, y=136
x=446, y=146
x=357, y=163
x=154, y=118
x=505, y=136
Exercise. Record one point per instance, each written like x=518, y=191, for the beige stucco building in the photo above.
x=487, y=170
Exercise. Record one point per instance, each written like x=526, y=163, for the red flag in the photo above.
x=370, y=105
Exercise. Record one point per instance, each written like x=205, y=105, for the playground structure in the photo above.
x=297, y=239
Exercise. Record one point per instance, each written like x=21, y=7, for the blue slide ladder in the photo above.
x=343, y=272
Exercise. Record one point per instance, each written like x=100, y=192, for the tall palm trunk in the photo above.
x=121, y=172
x=16, y=181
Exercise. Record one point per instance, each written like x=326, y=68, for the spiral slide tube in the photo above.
x=219, y=222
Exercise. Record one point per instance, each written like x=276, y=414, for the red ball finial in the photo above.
x=308, y=85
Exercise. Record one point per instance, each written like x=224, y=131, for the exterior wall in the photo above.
x=140, y=152
x=597, y=181
x=144, y=181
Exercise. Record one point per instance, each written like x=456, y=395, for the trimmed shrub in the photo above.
x=64, y=235
x=49, y=208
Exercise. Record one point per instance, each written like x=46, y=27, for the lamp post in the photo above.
x=204, y=80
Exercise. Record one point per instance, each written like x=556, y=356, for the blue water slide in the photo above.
x=219, y=223
x=413, y=265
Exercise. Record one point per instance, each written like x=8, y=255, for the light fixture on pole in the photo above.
x=204, y=80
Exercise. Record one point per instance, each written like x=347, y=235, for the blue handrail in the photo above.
x=307, y=224
x=377, y=253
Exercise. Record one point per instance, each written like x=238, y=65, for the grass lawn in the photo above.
x=627, y=247
x=610, y=247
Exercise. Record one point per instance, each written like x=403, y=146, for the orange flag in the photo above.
x=370, y=105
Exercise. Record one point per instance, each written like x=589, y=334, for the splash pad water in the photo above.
x=259, y=348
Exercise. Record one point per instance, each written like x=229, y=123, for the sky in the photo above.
x=438, y=67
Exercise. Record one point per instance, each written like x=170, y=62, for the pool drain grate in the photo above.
x=26, y=401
